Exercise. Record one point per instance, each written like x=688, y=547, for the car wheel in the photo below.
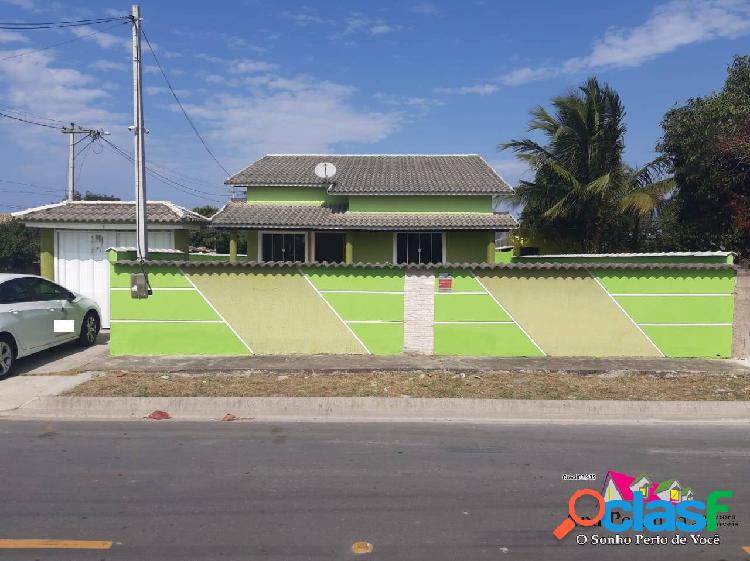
x=7, y=356
x=89, y=329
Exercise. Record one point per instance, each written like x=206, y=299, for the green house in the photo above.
x=373, y=209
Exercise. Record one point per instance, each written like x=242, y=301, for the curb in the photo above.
x=374, y=409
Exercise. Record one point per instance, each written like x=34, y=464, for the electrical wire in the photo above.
x=53, y=45
x=162, y=178
x=30, y=114
x=41, y=188
x=27, y=121
x=25, y=26
x=179, y=103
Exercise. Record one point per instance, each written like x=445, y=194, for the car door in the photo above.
x=59, y=306
x=30, y=317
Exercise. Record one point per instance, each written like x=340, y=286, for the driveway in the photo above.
x=68, y=358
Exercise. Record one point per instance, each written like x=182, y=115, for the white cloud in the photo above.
x=670, y=26
x=426, y=8
x=104, y=40
x=305, y=115
x=12, y=37
x=247, y=66
x=303, y=19
x=358, y=24
x=479, y=89
x=24, y=4
x=420, y=105
x=108, y=65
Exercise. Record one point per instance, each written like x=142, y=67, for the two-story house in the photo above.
x=374, y=209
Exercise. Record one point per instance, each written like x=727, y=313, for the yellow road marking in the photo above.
x=54, y=544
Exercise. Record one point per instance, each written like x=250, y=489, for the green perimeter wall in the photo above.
x=488, y=312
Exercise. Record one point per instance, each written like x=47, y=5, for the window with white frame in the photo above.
x=419, y=247
x=283, y=246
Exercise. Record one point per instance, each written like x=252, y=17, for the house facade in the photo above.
x=387, y=209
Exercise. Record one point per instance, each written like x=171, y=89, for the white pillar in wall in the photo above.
x=419, y=311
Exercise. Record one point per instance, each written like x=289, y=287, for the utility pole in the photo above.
x=72, y=130
x=140, y=145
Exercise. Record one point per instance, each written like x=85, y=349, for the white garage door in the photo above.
x=81, y=260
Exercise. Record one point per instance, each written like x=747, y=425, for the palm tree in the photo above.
x=581, y=186
x=644, y=189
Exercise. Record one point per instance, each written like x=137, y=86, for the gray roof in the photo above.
x=379, y=174
x=244, y=215
x=109, y=211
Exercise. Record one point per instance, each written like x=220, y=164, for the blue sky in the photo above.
x=337, y=76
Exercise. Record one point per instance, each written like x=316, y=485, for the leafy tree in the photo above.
x=215, y=240
x=706, y=140
x=19, y=247
x=582, y=197
x=89, y=196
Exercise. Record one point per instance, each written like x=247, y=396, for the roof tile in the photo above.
x=379, y=174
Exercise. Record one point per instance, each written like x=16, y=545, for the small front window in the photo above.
x=419, y=247
x=283, y=247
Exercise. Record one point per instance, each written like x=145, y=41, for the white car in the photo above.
x=36, y=314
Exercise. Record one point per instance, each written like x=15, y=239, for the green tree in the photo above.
x=582, y=196
x=213, y=239
x=19, y=247
x=706, y=141
x=89, y=196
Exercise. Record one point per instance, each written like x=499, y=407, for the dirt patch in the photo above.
x=491, y=385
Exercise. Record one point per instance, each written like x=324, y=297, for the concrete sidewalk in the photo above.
x=19, y=391
x=405, y=362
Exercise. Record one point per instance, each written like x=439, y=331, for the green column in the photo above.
x=232, y=246
x=47, y=253
x=252, y=245
x=490, y=247
x=349, y=249
x=182, y=241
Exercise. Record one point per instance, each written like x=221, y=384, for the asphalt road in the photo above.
x=207, y=491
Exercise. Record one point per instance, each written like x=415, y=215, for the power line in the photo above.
x=53, y=45
x=30, y=114
x=163, y=178
x=179, y=103
x=41, y=188
x=27, y=121
x=25, y=26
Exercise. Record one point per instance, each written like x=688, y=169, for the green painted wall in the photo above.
x=372, y=247
x=292, y=195
x=467, y=307
x=145, y=339
x=468, y=246
x=420, y=203
x=496, y=313
x=483, y=340
x=374, y=296
x=182, y=240
x=380, y=280
x=679, y=309
x=47, y=253
x=567, y=314
x=275, y=311
x=673, y=281
x=627, y=258
x=692, y=340
x=164, y=305
x=158, y=277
